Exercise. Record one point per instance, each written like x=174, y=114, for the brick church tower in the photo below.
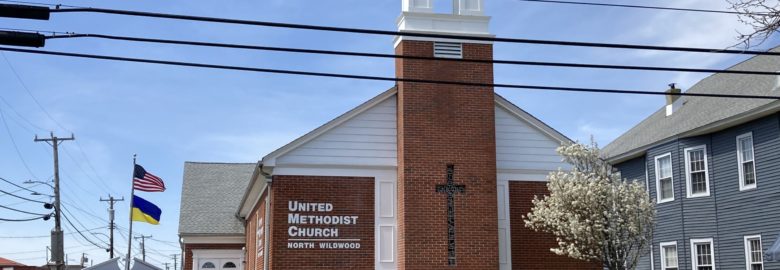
x=422, y=176
x=446, y=142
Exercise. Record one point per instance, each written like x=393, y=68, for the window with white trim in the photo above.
x=669, y=256
x=664, y=181
x=696, y=176
x=754, y=254
x=703, y=254
x=746, y=160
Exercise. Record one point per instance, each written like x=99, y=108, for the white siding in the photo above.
x=521, y=146
x=368, y=139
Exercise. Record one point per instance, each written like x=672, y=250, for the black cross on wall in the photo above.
x=450, y=188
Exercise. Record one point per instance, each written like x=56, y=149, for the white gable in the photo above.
x=523, y=143
x=367, y=138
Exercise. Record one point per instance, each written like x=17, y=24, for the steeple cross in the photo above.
x=450, y=188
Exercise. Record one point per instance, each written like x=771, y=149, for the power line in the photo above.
x=408, y=34
x=16, y=185
x=22, y=211
x=77, y=230
x=395, y=56
x=378, y=78
x=20, y=220
x=16, y=147
x=20, y=197
x=41, y=236
x=27, y=89
x=639, y=7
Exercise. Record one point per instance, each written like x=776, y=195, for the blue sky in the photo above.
x=168, y=115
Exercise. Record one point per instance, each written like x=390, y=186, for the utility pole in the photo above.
x=174, y=260
x=57, y=244
x=166, y=266
x=111, y=225
x=143, y=248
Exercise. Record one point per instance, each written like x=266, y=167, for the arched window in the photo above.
x=208, y=265
x=229, y=265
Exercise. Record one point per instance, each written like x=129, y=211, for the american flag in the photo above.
x=145, y=181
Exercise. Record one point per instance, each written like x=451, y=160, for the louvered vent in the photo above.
x=448, y=49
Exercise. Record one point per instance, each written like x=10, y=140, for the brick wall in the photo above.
x=440, y=125
x=530, y=249
x=350, y=196
x=254, y=261
x=188, y=263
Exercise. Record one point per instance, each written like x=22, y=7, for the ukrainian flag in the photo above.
x=144, y=211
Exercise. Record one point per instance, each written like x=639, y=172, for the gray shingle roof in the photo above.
x=700, y=111
x=211, y=194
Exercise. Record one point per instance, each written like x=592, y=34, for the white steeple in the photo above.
x=467, y=18
x=424, y=6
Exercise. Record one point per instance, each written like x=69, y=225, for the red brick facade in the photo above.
x=188, y=263
x=254, y=259
x=440, y=125
x=530, y=249
x=350, y=196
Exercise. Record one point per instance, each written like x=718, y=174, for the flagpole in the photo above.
x=130, y=226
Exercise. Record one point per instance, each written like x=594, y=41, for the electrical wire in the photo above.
x=48, y=115
x=412, y=57
x=20, y=220
x=16, y=147
x=408, y=34
x=44, y=236
x=640, y=7
x=379, y=78
x=16, y=185
x=77, y=230
x=20, y=197
x=22, y=211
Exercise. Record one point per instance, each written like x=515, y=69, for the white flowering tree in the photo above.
x=593, y=213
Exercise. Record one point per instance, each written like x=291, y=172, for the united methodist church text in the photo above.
x=326, y=231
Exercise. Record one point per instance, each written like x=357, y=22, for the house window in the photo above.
x=669, y=256
x=664, y=180
x=754, y=253
x=696, y=171
x=229, y=265
x=208, y=265
x=702, y=254
x=747, y=164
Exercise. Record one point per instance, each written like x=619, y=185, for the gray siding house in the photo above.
x=713, y=167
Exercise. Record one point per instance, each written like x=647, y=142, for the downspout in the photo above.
x=268, y=180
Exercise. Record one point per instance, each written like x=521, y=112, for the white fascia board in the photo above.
x=254, y=183
x=270, y=159
x=252, y=197
x=535, y=122
x=215, y=239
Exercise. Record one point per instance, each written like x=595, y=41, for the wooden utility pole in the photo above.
x=143, y=246
x=57, y=245
x=174, y=260
x=111, y=225
x=166, y=266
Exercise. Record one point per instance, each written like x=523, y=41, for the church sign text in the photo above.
x=311, y=225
